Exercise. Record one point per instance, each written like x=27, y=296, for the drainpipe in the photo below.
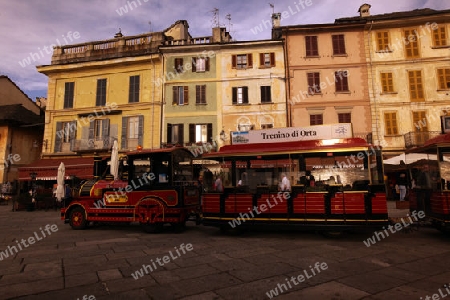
x=373, y=85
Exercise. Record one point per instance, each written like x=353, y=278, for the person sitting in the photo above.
x=285, y=185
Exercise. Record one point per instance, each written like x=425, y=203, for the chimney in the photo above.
x=364, y=10
x=276, y=20
x=220, y=35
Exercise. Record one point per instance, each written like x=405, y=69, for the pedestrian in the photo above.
x=285, y=185
x=402, y=183
x=218, y=186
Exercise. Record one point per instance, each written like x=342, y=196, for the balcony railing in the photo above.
x=417, y=139
x=93, y=144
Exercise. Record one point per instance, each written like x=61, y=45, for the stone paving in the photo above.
x=98, y=263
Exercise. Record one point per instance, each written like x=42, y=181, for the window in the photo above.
x=242, y=61
x=133, y=95
x=200, y=133
x=340, y=78
x=240, y=95
x=390, y=123
x=266, y=126
x=411, y=43
x=345, y=117
x=420, y=125
x=180, y=95
x=267, y=60
x=200, y=94
x=316, y=119
x=383, y=41
x=101, y=93
x=68, y=94
x=175, y=133
x=387, y=82
x=266, y=96
x=415, y=86
x=178, y=65
x=338, y=44
x=246, y=127
x=200, y=64
x=439, y=37
x=66, y=132
x=132, y=132
x=313, y=83
x=101, y=129
x=312, y=48
x=444, y=79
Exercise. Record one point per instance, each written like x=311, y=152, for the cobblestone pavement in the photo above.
x=99, y=262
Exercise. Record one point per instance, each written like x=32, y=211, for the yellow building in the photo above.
x=408, y=57
x=326, y=75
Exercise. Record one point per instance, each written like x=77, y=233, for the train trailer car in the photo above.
x=155, y=187
x=326, y=185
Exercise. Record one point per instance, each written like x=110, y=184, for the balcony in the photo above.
x=417, y=139
x=104, y=144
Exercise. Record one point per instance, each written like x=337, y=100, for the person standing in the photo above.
x=402, y=183
x=285, y=185
x=218, y=185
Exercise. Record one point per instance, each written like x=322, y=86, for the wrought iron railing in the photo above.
x=93, y=144
x=417, y=139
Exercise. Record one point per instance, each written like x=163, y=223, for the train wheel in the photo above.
x=152, y=228
x=77, y=219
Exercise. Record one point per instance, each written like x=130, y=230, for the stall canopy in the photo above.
x=409, y=158
x=47, y=169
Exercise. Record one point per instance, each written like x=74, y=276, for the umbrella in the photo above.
x=115, y=161
x=60, y=181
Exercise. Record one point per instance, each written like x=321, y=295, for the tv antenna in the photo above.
x=273, y=7
x=228, y=17
x=215, y=19
x=150, y=26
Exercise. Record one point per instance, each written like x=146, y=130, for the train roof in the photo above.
x=442, y=140
x=291, y=147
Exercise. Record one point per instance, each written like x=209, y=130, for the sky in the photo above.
x=28, y=28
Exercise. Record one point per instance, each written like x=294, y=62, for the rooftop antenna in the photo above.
x=150, y=25
x=273, y=7
x=228, y=17
x=215, y=20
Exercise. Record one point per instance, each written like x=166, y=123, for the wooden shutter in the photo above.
x=59, y=136
x=415, y=86
x=141, y=131
x=72, y=134
x=272, y=59
x=194, y=64
x=181, y=134
x=250, y=60
x=411, y=44
x=175, y=95
x=186, y=95
x=444, y=79
x=206, y=63
x=261, y=60
x=169, y=133
x=244, y=94
x=179, y=65
x=234, y=92
x=124, y=132
x=91, y=129
x=105, y=128
x=209, y=133
x=390, y=123
x=387, y=82
x=192, y=133
x=233, y=61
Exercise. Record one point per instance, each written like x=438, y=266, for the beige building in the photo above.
x=21, y=129
x=326, y=75
x=408, y=62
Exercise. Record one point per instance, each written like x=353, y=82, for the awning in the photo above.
x=47, y=169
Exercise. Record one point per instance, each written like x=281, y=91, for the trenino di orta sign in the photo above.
x=291, y=134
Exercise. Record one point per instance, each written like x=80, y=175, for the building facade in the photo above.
x=408, y=60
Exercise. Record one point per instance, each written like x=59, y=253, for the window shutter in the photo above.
x=197, y=94
x=169, y=133
x=58, y=137
x=272, y=59
x=186, y=95
x=175, y=95
x=181, y=134
x=105, y=128
x=209, y=133
x=141, y=131
x=261, y=60
x=192, y=133
x=234, y=95
x=250, y=60
x=194, y=64
x=310, y=82
x=72, y=134
x=233, y=61
x=124, y=132
x=91, y=129
x=207, y=64
x=245, y=94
